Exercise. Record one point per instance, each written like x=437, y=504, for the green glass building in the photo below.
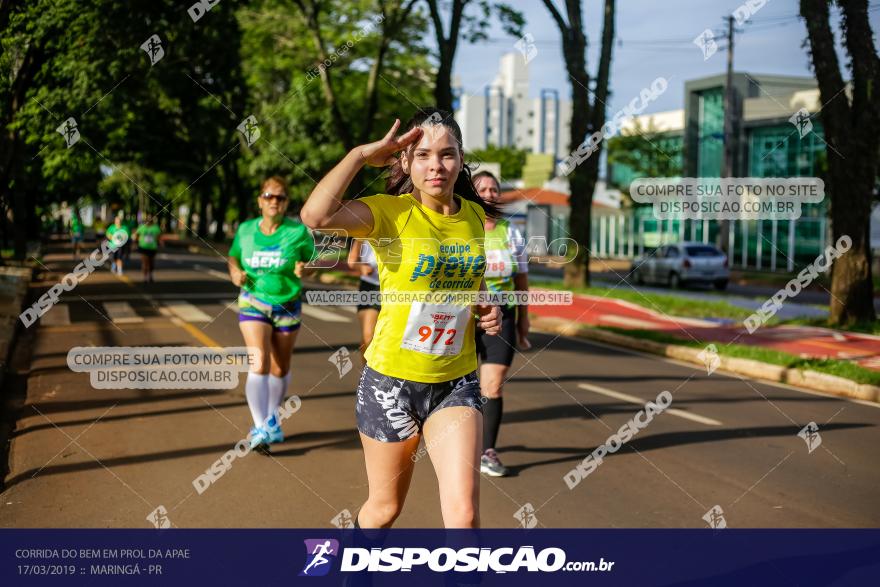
x=766, y=141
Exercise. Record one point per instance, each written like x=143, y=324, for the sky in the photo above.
x=653, y=38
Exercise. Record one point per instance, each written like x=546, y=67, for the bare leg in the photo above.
x=389, y=472
x=258, y=335
x=492, y=377
x=282, y=348
x=452, y=436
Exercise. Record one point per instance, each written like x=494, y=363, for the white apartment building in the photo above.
x=504, y=115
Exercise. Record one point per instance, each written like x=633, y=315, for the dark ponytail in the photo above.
x=399, y=182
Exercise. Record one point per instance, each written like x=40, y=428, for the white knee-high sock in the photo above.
x=257, y=391
x=277, y=389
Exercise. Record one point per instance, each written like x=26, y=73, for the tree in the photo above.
x=636, y=150
x=173, y=116
x=48, y=72
x=394, y=13
x=473, y=29
x=587, y=117
x=851, y=121
x=512, y=160
x=378, y=69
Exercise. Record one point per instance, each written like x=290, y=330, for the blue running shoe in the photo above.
x=274, y=434
x=258, y=437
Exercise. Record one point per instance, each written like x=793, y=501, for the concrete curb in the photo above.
x=805, y=378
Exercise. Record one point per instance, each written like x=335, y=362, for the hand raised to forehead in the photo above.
x=381, y=153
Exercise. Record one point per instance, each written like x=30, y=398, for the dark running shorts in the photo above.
x=367, y=286
x=147, y=252
x=282, y=317
x=498, y=349
x=392, y=410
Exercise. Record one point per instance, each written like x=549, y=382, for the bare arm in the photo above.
x=354, y=259
x=325, y=210
x=521, y=283
x=236, y=273
x=300, y=270
x=354, y=253
x=490, y=316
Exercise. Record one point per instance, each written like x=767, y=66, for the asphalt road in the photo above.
x=83, y=457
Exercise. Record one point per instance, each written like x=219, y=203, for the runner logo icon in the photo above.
x=320, y=554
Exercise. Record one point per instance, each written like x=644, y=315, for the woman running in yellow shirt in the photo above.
x=420, y=378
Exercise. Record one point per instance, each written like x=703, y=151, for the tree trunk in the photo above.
x=220, y=215
x=204, y=199
x=447, y=46
x=443, y=86
x=10, y=143
x=851, y=132
x=852, y=296
x=310, y=12
x=586, y=119
x=243, y=197
x=20, y=205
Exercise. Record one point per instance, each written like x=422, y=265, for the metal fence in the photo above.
x=770, y=245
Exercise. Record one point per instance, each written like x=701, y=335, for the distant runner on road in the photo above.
x=148, y=236
x=118, y=234
x=76, y=232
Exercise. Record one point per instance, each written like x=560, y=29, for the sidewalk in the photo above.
x=805, y=341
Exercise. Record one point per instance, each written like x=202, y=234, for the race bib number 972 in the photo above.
x=435, y=329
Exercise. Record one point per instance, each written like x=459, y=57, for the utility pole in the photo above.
x=727, y=168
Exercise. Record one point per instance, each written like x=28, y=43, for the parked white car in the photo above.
x=681, y=263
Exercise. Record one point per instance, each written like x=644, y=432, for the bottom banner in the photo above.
x=439, y=557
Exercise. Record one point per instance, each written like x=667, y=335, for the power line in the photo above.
x=754, y=24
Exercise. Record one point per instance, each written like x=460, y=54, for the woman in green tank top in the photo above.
x=266, y=260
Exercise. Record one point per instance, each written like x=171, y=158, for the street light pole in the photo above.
x=727, y=168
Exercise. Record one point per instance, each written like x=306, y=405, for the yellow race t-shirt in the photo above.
x=419, y=250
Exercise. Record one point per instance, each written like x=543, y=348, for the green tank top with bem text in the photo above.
x=270, y=260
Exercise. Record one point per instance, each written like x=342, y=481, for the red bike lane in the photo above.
x=804, y=341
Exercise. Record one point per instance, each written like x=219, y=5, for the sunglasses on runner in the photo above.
x=281, y=198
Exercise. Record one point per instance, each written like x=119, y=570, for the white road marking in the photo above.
x=323, y=314
x=349, y=309
x=212, y=272
x=187, y=312
x=639, y=401
x=122, y=313
x=59, y=315
x=212, y=295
